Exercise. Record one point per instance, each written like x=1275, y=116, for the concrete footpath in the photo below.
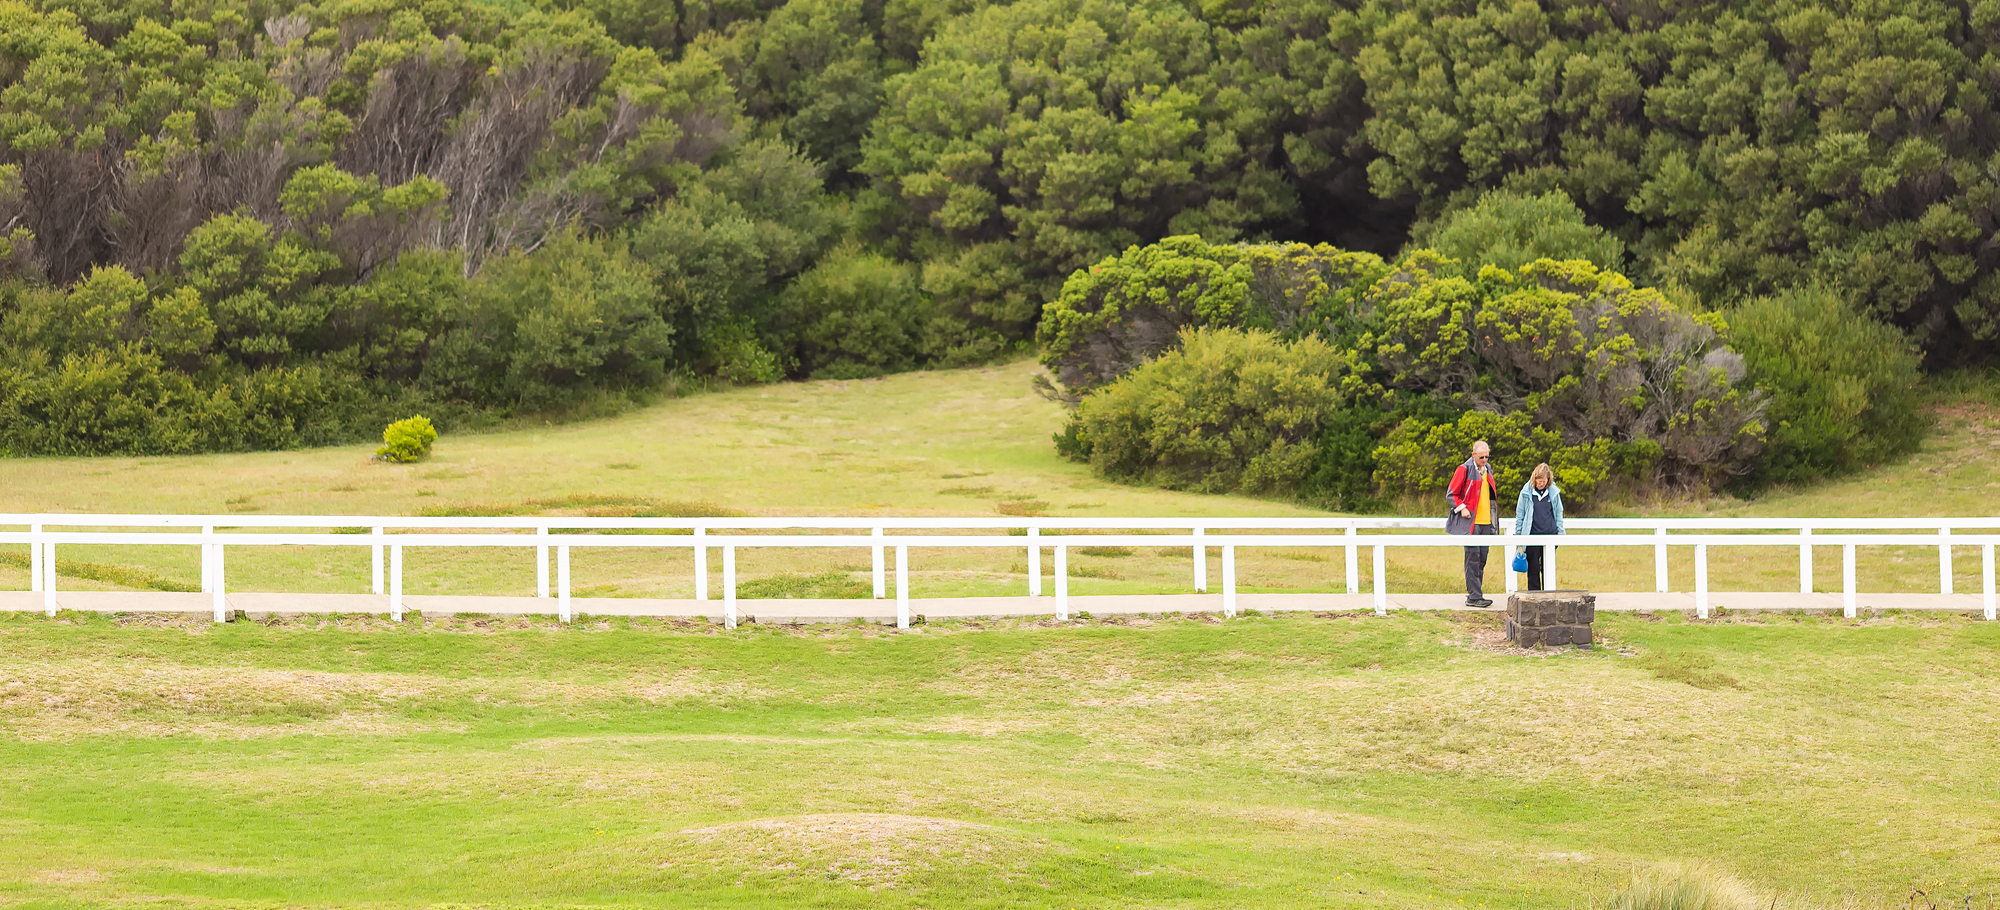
x=928, y=608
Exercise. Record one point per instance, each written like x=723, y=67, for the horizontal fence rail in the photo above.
x=390, y=536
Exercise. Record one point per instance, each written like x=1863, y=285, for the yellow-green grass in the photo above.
x=967, y=443
x=1276, y=762
x=1269, y=761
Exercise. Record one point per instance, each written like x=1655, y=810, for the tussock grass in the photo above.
x=1696, y=886
x=137, y=577
x=1110, y=552
x=1695, y=669
x=836, y=584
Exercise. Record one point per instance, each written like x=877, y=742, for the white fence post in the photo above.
x=1062, y=582
x=1034, y=561
x=563, y=609
x=396, y=583
x=1353, y=562
x=1549, y=568
x=1507, y=569
x=1660, y=561
x=1381, y=583
x=1805, y=561
x=1944, y=561
x=1986, y=570
x=1701, y=580
x=207, y=571
x=1200, y=564
x=1229, y=581
x=1847, y=604
x=221, y=600
x=374, y=563
x=701, y=566
x=542, y=562
x=881, y=586
x=902, y=587
x=207, y=552
x=49, y=579
x=728, y=587
x=34, y=557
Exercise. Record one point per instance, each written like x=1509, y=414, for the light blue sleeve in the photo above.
x=1524, y=509
x=1556, y=498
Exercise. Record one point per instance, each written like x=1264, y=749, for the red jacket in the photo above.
x=1462, y=493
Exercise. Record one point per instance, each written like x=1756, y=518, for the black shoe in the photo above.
x=1480, y=603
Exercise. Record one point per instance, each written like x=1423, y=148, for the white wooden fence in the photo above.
x=390, y=536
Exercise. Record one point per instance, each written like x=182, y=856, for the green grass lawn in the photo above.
x=1294, y=761
x=963, y=442
x=1288, y=761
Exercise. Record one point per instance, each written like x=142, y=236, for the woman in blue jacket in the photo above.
x=1540, y=511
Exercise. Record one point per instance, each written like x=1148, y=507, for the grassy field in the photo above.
x=1271, y=761
x=967, y=443
x=1295, y=761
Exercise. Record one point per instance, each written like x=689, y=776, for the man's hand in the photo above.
x=1464, y=510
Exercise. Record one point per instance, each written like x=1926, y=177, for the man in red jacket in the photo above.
x=1474, y=510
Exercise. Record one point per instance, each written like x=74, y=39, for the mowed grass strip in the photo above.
x=1293, y=761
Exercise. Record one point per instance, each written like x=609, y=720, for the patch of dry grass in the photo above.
x=867, y=849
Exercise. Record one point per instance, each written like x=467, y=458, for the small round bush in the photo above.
x=407, y=440
x=1230, y=410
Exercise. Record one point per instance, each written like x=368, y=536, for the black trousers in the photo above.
x=1534, y=568
x=1475, y=565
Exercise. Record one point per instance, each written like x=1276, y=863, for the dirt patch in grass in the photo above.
x=867, y=849
x=58, y=701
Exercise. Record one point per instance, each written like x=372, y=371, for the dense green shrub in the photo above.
x=1035, y=138
x=1845, y=388
x=1343, y=476
x=407, y=440
x=1131, y=307
x=1510, y=230
x=271, y=190
x=1578, y=352
x=1228, y=410
x=855, y=314
x=542, y=330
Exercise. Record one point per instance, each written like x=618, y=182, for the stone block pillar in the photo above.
x=1550, y=617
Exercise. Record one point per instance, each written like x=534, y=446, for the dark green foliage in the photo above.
x=1343, y=477
x=1035, y=138
x=855, y=314
x=1844, y=387
x=351, y=191
x=721, y=251
x=542, y=330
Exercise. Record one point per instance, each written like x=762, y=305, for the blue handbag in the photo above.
x=1520, y=562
